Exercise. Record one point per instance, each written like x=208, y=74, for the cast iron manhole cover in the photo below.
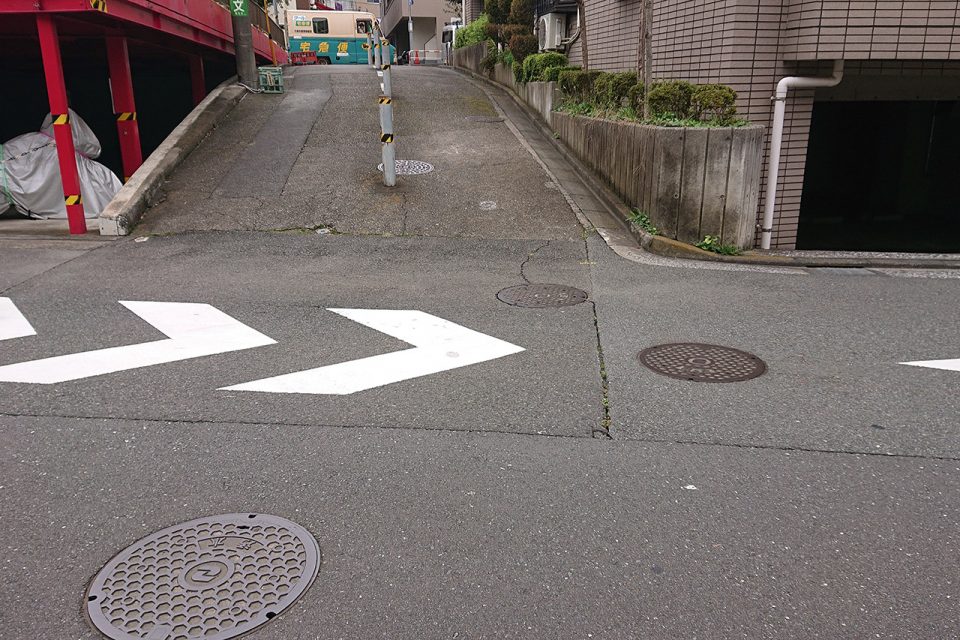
x=216, y=577
x=542, y=295
x=410, y=167
x=702, y=362
x=483, y=119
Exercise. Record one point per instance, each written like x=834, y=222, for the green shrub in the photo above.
x=522, y=46
x=491, y=58
x=535, y=65
x=601, y=89
x=552, y=74
x=473, y=33
x=577, y=85
x=618, y=88
x=497, y=10
x=510, y=30
x=714, y=102
x=635, y=97
x=517, y=68
x=521, y=12
x=671, y=98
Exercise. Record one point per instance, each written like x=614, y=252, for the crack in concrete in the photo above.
x=527, y=259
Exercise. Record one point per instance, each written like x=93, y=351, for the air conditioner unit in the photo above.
x=550, y=29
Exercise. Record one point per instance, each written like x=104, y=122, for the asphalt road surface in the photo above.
x=562, y=490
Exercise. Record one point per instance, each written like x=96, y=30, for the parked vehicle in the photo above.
x=448, y=39
x=334, y=37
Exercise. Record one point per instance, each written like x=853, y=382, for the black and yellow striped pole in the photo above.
x=388, y=152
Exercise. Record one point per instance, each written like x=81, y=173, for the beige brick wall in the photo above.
x=751, y=44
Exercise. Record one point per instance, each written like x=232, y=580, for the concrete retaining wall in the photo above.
x=691, y=182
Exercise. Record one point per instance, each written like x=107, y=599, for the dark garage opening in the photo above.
x=882, y=176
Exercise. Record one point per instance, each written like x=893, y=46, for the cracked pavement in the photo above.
x=561, y=492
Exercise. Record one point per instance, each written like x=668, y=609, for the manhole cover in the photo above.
x=542, y=295
x=214, y=578
x=702, y=362
x=410, y=167
x=483, y=119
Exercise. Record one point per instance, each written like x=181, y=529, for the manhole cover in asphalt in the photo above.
x=216, y=577
x=542, y=295
x=410, y=167
x=483, y=119
x=702, y=362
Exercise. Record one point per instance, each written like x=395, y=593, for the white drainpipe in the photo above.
x=776, y=138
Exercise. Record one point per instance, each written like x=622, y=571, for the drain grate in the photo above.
x=538, y=296
x=215, y=578
x=410, y=167
x=702, y=362
x=483, y=119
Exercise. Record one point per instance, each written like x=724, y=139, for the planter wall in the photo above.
x=691, y=182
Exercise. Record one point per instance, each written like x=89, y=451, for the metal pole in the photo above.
x=124, y=107
x=388, y=153
x=370, y=49
x=387, y=85
x=243, y=44
x=62, y=133
x=198, y=82
x=378, y=59
x=266, y=17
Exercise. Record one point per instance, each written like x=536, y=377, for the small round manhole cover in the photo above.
x=410, y=167
x=213, y=578
x=483, y=119
x=702, y=362
x=537, y=296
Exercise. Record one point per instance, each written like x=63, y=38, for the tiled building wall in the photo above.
x=751, y=44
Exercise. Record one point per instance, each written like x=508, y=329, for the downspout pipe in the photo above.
x=776, y=138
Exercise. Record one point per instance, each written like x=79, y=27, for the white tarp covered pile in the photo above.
x=30, y=173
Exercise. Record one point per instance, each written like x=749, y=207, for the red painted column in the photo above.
x=197, y=79
x=57, y=94
x=124, y=107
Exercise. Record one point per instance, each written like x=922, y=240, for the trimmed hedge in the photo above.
x=522, y=46
x=552, y=74
x=610, y=90
x=534, y=66
x=578, y=85
x=473, y=33
x=713, y=102
x=671, y=99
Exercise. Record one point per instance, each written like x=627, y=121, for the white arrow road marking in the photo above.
x=12, y=322
x=440, y=346
x=194, y=330
x=948, y=365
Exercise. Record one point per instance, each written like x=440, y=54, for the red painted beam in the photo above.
x=57, y=93
x=124, y=107
x=204, y=22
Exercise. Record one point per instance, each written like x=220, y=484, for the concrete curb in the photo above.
x=670, y=248
x=138, y=194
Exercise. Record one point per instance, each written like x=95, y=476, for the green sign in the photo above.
x=238, y=7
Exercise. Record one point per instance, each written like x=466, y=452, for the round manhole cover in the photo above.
x=213, y=578
x=483, y=119
x=702, y=362
x=410, y=167
x=542, y=295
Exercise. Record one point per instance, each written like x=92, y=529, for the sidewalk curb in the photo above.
x=137, y=195
x=670, y=248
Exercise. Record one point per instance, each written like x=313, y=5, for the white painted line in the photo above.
x=194, y=330
x=947, y=365
x=440, y=345
x=12, y=323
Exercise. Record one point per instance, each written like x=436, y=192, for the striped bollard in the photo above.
x=389, y=153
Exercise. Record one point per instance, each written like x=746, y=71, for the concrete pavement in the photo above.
x=563, y=491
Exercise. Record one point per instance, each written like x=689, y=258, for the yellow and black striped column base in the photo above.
x=127, y=116
x=72, y=200
x=61, y=118
x=386, y=137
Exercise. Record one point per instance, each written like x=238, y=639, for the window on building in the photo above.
x=320, y=25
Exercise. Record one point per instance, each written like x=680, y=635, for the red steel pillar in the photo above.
x=57, y=94
x=124, y=107
x=197, y=80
